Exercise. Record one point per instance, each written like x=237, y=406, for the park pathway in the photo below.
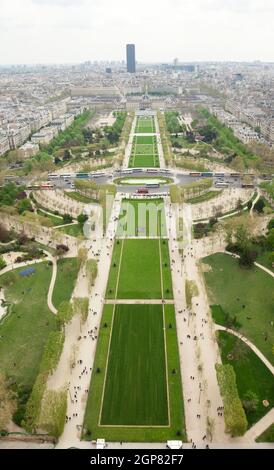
x=81, y=344
x=249, y=343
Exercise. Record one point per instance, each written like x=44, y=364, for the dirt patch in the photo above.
x=206, y=268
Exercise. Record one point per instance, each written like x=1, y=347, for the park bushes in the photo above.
x=80, y=307
x=65, y=313
x=235, y=418
x=191, y=290
x=52, y=351
x=51, y=355
x=53, y=412
x=92, y=270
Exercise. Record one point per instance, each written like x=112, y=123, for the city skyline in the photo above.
x=66, y=31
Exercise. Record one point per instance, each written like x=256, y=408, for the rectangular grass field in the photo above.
x=137, y=272
x=142, y=217
x=131, y=357
x=135, y=394
x=144, y=161
x=145, y=125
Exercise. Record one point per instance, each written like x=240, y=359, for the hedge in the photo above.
x=52, y=351
x=53, y=412
x=235, y=418
x=80, y=307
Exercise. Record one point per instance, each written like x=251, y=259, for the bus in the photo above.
x=152, y=170
x=46, y=185
x=219, y=175
x=207, y=174
x=96, y=175
x=193, y=173
x=10, y=177
x=82, y=175
x=126, y=172
x=33, y=187
x=142, y=191
x=152, y=185
x=66, y=176
x=137, y=170
x=235, y=175
x=247, y=185
x=54, y=176
x=221, y=184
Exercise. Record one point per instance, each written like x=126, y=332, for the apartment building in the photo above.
x=29, y=149
x=4, y=144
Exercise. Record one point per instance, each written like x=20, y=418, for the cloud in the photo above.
x=62, y=3
x=76, y=30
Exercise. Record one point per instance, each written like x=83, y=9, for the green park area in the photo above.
x=67, y=272
x=131, y=369
x=74, y=230
x=241, y=298
x=203, y=197
x=267, y=435
x=26, y=329
x=135, y=392
x=255, y=382
x=140, y=269
x=143, y=218
x=144, y=152
x=145, y=124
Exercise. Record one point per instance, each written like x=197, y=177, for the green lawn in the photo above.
x=144, y=149
x=251, y=374
x=25, y=330
x=143, y=139
x=140, y=271
x=131, y=368
x=204, y=197
x=245, y=294
x=80, y=197
x=267, y=435
x=142, y=217
x=139, y=381
x=67, y=273
x=144, y=161
x=263, y=257
x=55, y=220
x=145, y=125
x=75, y=230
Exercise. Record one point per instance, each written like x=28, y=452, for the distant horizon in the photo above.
x=138, y=62
x=71, y=31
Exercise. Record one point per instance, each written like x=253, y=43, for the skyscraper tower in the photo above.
x=131, y=66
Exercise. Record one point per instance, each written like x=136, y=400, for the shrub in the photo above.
x=259, y=205
x=235, y=418
x=67, y=218
x=2, y=263
x=53, y=412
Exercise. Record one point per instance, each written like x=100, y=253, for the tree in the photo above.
x=61, y=250
x=250, y=401
x=24, y=205
x=7, y=403
x=4, y=234
x=247, y=257
x=259, y=205
x=82, y=218
x=67, y=219
x=270, y=240
x=2, y=263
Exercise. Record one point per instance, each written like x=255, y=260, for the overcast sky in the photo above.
x=59, y=31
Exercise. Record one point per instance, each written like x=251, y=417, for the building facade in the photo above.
x=131, y=64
